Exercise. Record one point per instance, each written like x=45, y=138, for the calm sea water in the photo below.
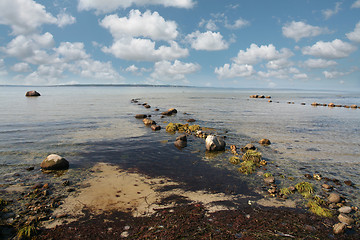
x=65, y=120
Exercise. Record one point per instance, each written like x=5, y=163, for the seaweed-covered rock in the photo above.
x=54, y=162
x=214, y=143
x=32, y=94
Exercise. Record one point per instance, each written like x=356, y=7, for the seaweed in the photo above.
x=27, y=232
x=317, y=209
x=267, y=175
x=253, y=156
x=248, y=167
x=305, y=189
x=234, y=160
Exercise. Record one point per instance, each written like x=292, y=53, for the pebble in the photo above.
x=345, y=209
x=334, y=198
x=326, y=186
x=124, y=234
x=126, y=228
x=339, y=228
x=269, y=179
x=345, y=219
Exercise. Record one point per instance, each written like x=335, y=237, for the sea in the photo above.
x=90, y=124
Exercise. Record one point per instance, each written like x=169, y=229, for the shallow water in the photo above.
x=89, y=124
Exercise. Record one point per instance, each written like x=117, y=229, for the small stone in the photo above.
x=126, y=228
x=326, y=186
x=317, y=176
x=36, y=186
x=30, y=168
x=147, y=106
x=265, y=141
x=334, y=198
x=191, y=120
x=339, y=228
x=124, y=234
x=249, y=146
x=155, y=127
x=66, y=183
x=148, y=122
x=269, y=180
x=345, y=209
x=349, y=183
x=345, y=219
x=140, y=116
x=308, y=176
x=46, y=186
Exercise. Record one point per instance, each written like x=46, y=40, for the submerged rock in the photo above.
x=345, y=219
x=265, y=141
x=334, y=198
x=32, y=94
x=181, y=141
x=140, y=116
x=345, y=209
x=214, y=143
x=54, y=162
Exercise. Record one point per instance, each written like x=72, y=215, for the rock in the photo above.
x=124, y=234
x=155, y=127
x=317, y=176
x=326, y=186
x=349, y=183
x=269, y=180
x=147, y=106
x=148, y=121
x=140, y=116
x=308, y=176
x=315, y=104
x=214, y=143
x=181, y=141
x=156, y=109
x=249, y=146
x=169, y=112
x=303, y=103
x=32, y=94
x=339, y=228
x=265, y=141
x=30, y=168
x=345, y=219
x=268, y=96
x=191, y=120
x=334, y=198
x=345, y=209
x=54, y=162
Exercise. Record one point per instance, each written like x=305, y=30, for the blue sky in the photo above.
x=308, y=44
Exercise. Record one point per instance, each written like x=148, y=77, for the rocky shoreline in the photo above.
x=40, y=204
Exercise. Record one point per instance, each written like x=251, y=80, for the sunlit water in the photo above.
x=67, y=120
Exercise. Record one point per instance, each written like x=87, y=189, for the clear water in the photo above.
x=65, y=120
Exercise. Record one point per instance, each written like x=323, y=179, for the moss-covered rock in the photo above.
x=194, y=128
x=248, y=167
x=252, y=156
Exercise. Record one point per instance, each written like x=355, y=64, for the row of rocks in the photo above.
x=331, y=105
x=259, y=96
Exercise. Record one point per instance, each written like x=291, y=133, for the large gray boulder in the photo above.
x=214, y=143
x=54, y=162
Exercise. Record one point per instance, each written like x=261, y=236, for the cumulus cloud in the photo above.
x=209, y=41
x=135, y=70
x=319, y=63
x=356, y=4
x=239, y=23
x=24, y=16
x=106, y=6
x=330, y=50
x=3, y=71
x=209, y=25
x=234, y=70
x=30, y=48
x=72, y=51
x=21, y=67
x=64, y=19
x=355, y=35
x=255, y=54
x=333, y=74
x=328, y=13
x=166, y=71
x=144, y=50
x=148, y=24
x=299, y=30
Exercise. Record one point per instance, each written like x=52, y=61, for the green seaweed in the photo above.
x=252, y=156
x=234, y=160
x=316, y=208
x=305, y=189
x=194, y=128
x=171, y=127
x=27, y=232
x=285, y=191
x=248, y=167
x=266, y=175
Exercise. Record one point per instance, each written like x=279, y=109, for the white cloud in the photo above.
x=98, y=70
x=72, y=51
x=135, y=70
x=106, y=6
x=144, y=50
x=255, y=54
x=132, y=69
x=330, y=50
x=21, y=67
x=234, y=70
x=64, y=19
x=356, y=4
x=165, y=71
x=24, y=16
x=279, y=63
x=355, y=35
x=209, y=41
x=299, y=30
x=319, y=63
x=148, y=24
x=30, y=48
x=209, y=25
x=333, y=74
x=239, y=23
x=328, y=13
x=300, y=76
